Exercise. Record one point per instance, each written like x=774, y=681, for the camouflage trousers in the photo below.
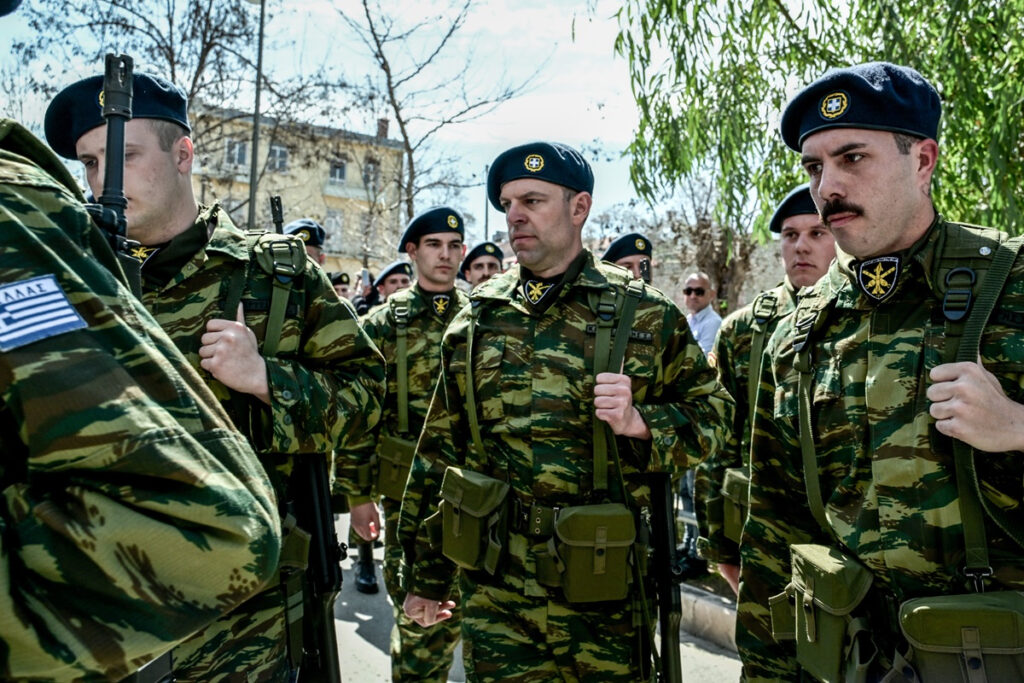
x=417, y=653
x=248, y=645
x=515, y=630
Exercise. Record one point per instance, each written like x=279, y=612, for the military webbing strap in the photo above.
x=765, y=307
x=282, y=259
x=972, y=503
x=400, y=312
x=474, y=424
x=610, y=359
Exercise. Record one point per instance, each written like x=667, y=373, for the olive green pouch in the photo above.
x=973, y=638
x=735, y=486
x=474, y=519
x=827, y=587
x=591, y=549
x=394, y=458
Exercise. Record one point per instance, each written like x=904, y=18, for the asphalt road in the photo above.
x=364, y=629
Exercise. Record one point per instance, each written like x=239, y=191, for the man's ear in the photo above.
x=581, y=203
x=184, y=154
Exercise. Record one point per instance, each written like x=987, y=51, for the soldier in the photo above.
x=133, y=514
x=630, y=251
x=481, y=263
x=807, y=250
x=702, y=317
x=523, y=426
x=222, y=297
x=408, y=330
x=397, y=275
x=312, y=235
x=341, y=283
x=882, y=516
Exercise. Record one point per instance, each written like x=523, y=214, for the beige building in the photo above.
x=344, y=180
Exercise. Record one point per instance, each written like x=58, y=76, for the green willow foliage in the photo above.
x=711, y=80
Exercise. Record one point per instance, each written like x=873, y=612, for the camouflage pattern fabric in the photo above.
x=326, y=382
x=534, y=385
x=887, y=474
x=417, y=654
x=731, y=356
x=132, y=513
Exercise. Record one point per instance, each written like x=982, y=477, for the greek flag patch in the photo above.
x=35, y=309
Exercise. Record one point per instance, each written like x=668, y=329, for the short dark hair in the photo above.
x=905, y=141
x=167, y=132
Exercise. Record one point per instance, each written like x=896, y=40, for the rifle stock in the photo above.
x=664, y=572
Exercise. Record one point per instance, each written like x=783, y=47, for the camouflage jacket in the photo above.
x=534, y=386
x=731, y=356
x=423, y=344
x=326, y=380
x=887, y=475
x=132, y=513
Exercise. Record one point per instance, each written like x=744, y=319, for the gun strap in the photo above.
x=474, y=424
x=400, y=312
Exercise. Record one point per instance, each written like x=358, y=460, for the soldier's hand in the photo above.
x=613, y=403
x=231, y=354
x=365, y=519
x=427, y=612
x=969, y=404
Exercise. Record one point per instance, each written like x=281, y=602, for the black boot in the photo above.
x=366, y=571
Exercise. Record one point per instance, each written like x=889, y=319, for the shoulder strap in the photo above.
x=766, y=306
x=283, y=257
x=400, y=312
x=474, y=423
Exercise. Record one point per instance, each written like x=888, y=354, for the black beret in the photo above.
x=8, y=6
x=77, y=109
x=433, y=220
x=627, y=245
x=308, y=230
x=482, y=249
x=877, y=95
x=550, y=161
x=797, y=202
x=392, y=269
x=341, y=279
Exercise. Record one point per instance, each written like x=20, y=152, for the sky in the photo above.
x=579, y=96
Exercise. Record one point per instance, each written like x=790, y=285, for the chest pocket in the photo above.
x=488, y=353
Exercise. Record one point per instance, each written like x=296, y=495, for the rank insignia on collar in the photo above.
x=534, y=290
x=878, y=276
x=441, y=302
x=142, y=252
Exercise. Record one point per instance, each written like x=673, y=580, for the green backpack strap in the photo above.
x=283, y=257
x=474, y=423
x=765, y=308
x=400, y=313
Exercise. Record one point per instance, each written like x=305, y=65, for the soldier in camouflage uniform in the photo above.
x=536, y=401
x=324, y=382
x=433, y=241
x=807, y=250
x=886, y=400
x=482, y=262
x=133, y=514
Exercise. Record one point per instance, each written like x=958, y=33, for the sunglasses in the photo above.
x=699, y=291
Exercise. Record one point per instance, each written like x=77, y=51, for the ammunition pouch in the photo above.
x=474, y=518
x=735, y=488
x=589, y=555
x=394, y=458
x=819, y=608
x=973, y=638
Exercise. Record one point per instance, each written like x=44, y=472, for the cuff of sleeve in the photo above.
x=358, y=500
x=664, y=436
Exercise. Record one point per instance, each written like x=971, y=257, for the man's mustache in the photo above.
x=834, y=206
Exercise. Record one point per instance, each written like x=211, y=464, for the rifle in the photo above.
x=108, y=214
x=276, y=213
x=311, y=505
x=666, y=575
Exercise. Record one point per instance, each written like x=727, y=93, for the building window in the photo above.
x=371, y=173
x=236, y=152
x=277, y=159
x=337, y=174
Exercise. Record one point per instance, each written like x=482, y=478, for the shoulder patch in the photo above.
x=35, y=309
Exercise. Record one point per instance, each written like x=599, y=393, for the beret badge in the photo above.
x=834, y=105
x=641, y=245
x=453, y=222
x=534, y=163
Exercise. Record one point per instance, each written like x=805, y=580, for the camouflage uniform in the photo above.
x=416, y=653
x=731, y=355
x=887, y=475
x=132, y=514
x=534, y=387
x=325, y=382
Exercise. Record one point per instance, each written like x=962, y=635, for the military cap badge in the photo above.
x=640, y=244
x=489, y=248
x=534, y=163
x=878, y=276
x=302, y=235
x=453, y=222
x=834, y=105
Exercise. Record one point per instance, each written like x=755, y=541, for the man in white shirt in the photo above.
x=702, y=318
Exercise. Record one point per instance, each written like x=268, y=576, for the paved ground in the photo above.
x=364, y=627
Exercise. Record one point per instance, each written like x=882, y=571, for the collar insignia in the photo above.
x=441, y=302
x=534, y=290
x=878, y=276
x=143, y=253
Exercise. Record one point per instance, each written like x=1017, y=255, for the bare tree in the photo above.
x=425, y=90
